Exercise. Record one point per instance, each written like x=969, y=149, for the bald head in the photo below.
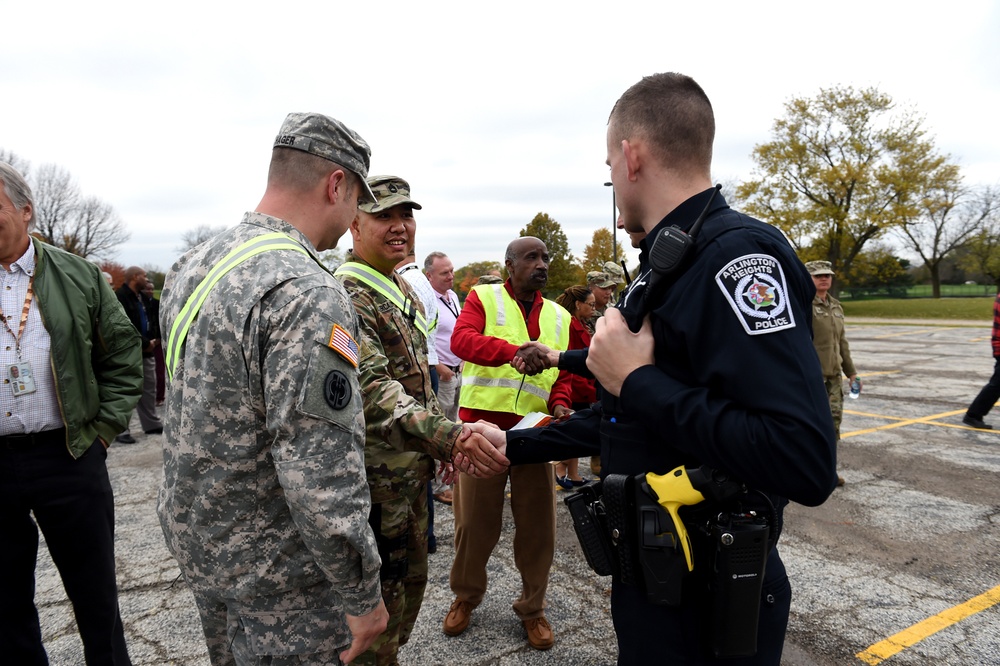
x=527, y=262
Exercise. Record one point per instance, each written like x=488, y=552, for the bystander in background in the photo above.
x=830, y=340
x=990, y=393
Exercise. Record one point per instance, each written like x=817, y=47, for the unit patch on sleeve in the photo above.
x=754, y=285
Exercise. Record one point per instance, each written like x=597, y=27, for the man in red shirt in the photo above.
x=496, y=320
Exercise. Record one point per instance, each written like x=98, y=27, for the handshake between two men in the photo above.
x=614, y=353
x=479, y=451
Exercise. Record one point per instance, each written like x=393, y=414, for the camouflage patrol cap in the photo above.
x=489, y=279
x=389, y=191
x=819, y=268
x=614, y=271
x=600, y=279
x=328, y=138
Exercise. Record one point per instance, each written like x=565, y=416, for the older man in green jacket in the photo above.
x=72, y=372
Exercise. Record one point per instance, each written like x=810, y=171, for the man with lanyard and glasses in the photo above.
x=72, y=372
x=441, y=275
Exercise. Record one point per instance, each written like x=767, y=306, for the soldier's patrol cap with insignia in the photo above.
x=328, y=138
x=614, y=272
x=389, y=191
x=819, y=268
x=600, y=279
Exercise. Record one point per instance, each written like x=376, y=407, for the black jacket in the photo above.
x=132, y=304
x=736, y=384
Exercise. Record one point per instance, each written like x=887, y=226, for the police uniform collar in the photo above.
x=684, y=216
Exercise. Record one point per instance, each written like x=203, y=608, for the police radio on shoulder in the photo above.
x=668, y=255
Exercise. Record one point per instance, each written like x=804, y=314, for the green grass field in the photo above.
x=922, y=308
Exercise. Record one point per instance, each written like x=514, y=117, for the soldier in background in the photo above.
x=404, y=422
x=616, y=273
x=830, y=340
x=602, y=286
x=264, y=501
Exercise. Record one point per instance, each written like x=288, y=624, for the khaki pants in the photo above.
x=478, y=508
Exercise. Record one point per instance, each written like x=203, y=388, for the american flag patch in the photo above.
x=342, y=343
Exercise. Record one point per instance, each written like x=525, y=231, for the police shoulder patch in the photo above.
x=754, y=285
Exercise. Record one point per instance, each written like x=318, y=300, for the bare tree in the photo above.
x=199, y=235
x=56, y=198
x=946, y=216
x=86, y=226
x=982, y=252
x=22, y=165
x=93, y=230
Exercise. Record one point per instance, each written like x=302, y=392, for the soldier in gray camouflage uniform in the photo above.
x=404, y=421
x=264, y=501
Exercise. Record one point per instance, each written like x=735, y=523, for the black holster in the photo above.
x=624, y=531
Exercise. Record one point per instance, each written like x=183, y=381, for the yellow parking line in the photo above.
x=882, y=650
x=901, y=421
x=876, y=416
x=900, y=424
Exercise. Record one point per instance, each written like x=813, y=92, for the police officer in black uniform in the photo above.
x=721, y=373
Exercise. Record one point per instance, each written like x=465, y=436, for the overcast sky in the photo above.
x=493, y=111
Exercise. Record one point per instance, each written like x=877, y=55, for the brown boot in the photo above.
x=457, y=619
x=539, y=633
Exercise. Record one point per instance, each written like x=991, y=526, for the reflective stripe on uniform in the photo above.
x=501, y=388
x=386, y=287
x=187, y=315
x=499, y=382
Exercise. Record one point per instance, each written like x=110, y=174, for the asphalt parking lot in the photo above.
x=900, y=566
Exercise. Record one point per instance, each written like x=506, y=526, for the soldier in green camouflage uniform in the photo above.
x=264, y=502
x=830, y=341
x=405, y=426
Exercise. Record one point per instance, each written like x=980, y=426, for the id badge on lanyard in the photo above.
x=20, y=375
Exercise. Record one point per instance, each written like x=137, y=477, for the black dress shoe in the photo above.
x=976, y=423
x=125, y=438
x=155, y=431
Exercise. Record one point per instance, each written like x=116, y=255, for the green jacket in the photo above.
x=95, y=356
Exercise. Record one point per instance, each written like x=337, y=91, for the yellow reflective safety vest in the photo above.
x=500, y=389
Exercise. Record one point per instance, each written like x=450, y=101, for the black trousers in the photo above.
x=653, y=634
x=42, y=486
x=988, y=396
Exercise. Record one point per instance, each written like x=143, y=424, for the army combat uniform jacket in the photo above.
x=404, y=422
x=264, y=502
x=830, y=339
